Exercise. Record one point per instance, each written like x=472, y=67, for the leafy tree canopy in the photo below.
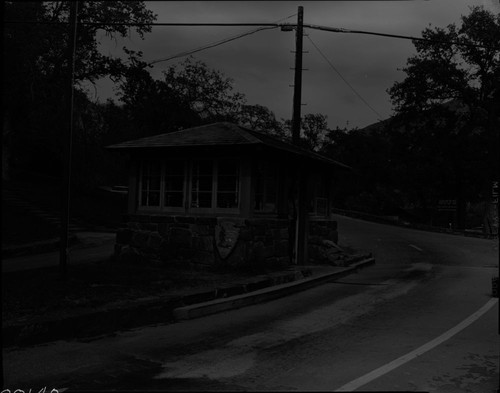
x=445, y=132
x=260, y=118
x=208, y=92
x=188, y=94
x=37, y=50
x=36, y=69
x=459, y=63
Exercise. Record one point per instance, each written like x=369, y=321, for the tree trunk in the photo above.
x=6, y=132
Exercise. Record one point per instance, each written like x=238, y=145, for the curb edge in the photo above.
x=263, y=295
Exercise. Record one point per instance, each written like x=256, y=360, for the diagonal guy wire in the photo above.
x=379, y=116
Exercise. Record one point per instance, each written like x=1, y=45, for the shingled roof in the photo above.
x=220, y=134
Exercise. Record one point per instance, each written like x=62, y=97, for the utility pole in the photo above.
x=68, y=142
x=300, y=226
x=297, y=86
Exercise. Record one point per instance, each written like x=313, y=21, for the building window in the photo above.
x=210, y=184
x=174, y=184
x=151, y=183
x=318, y=200
x=265, y=188
x=321, y=206
x=201, y=184
x=228, y=184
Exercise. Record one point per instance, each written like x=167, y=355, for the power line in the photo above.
x=317, y=27
x=406, y=37
x=138, y=24
x=214, y=44
x=345, y=80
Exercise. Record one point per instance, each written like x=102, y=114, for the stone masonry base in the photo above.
x=220, y=241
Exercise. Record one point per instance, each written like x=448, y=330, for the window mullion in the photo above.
x=141, y=182
x=214, y=184
x=187, y=184
x=148, y=182
x=162, y=184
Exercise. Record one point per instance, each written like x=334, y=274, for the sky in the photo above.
x=261, y=64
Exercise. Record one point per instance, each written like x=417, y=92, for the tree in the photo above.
x=314, y=127
x=208, y=92
x=151, y=105
x=367, y=187
x=451, y=93
x=457, y=63
x=260, y=118
x=36, y=67
x=44, y=38
x=189, y=94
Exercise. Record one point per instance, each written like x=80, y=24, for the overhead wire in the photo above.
x=270, y=25
x=264, y=26
x=212, y=45
x=406, y=37
x=379, y=116
x=136, y=24
x=221, y=42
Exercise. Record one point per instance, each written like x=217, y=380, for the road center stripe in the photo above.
x=353, y=385
x=416, y=248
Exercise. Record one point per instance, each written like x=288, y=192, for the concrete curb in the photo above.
x=262, y=295
x=129, y=314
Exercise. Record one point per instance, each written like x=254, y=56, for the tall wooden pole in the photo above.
x=300, y=229
x=68, y=142
x=297, y=86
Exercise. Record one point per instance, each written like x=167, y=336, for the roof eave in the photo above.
x=311, y=156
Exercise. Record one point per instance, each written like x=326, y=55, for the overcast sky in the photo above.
x=260, y=63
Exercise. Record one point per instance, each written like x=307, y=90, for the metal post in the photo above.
x=67, y=147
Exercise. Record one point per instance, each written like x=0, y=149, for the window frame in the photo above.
x=216, y=190
x=215, y=177
x=270, y=171
x=190, y=208
x=185, y=182
x=318, y=194
x=142, y=207
x=187, y=187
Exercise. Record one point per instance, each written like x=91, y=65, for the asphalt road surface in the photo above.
x=421, y=319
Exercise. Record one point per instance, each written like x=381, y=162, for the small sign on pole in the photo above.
x=447, y=205
x=494, y=192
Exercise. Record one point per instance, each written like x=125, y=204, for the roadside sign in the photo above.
x=447, y=205
x=494, y=192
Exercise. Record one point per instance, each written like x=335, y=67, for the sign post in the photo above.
x=493, y=209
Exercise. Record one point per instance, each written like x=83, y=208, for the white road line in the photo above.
x=416, y=248
x=353, y=385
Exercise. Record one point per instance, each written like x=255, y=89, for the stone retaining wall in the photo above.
x=213, y=241
x=322, y=242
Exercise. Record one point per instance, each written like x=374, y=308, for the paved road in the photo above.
x=411, y=322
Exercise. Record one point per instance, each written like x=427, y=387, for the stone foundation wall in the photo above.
x=322, y=242
x=214, y=241
x=322, y=229
x=210, y=241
